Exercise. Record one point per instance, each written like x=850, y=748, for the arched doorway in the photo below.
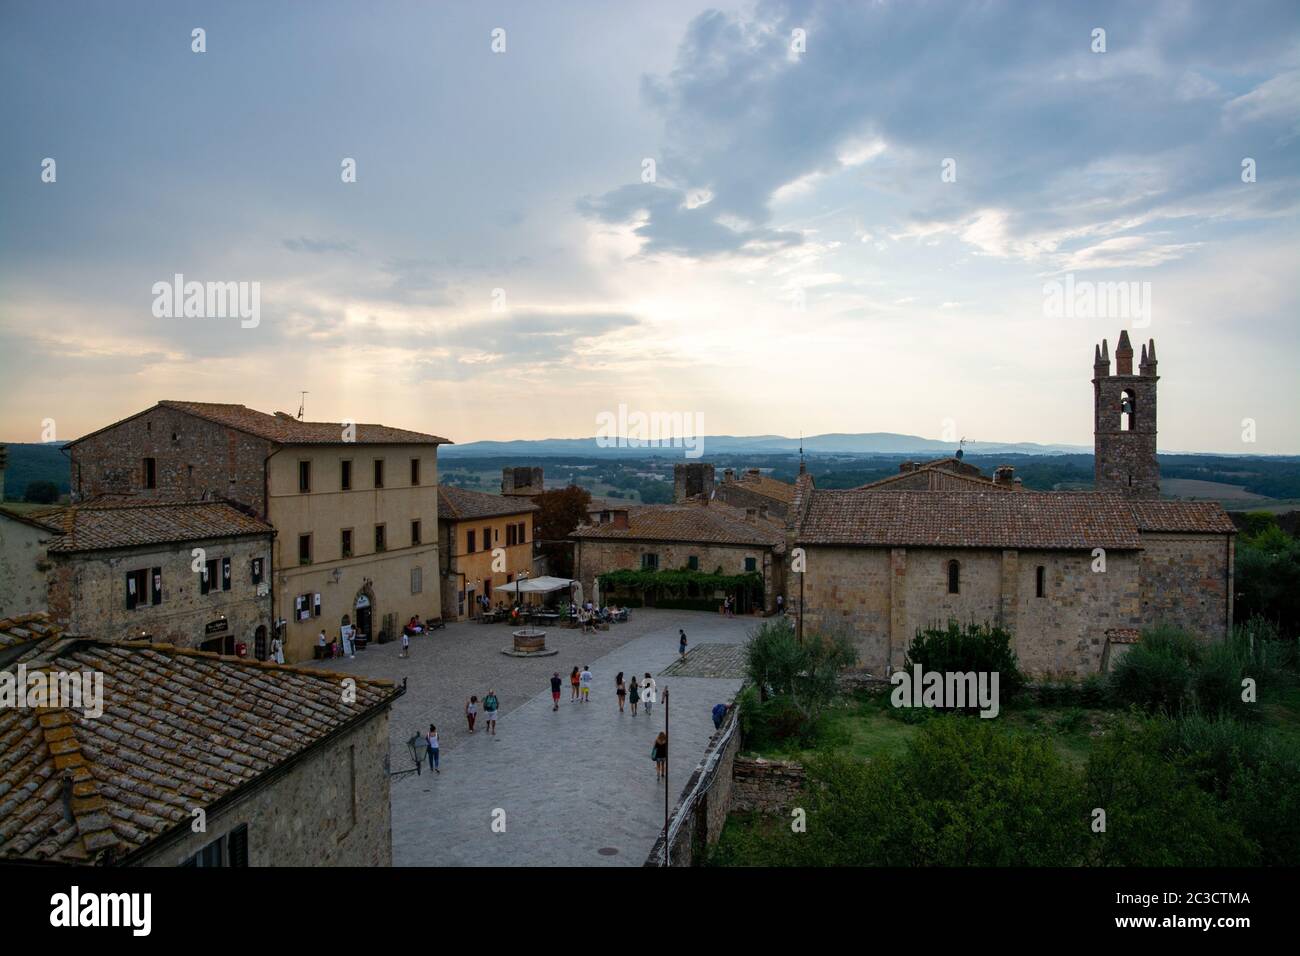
x=364, y=614
x=259, y=643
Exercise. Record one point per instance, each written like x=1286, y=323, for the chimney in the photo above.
x=728, y=474
x=1020, y=485
x=1004, y=476
x=619, y=519
x=906, y=467
x=755, y=472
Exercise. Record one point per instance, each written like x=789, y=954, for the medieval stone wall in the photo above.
x=1186, y=581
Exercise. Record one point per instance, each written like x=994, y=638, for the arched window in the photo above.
x=1127, y=411
x=1040, y=583
x=954, y=577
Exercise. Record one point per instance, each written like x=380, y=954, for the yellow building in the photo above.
x=486, y=541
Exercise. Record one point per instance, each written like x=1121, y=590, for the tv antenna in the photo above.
x=302, y=405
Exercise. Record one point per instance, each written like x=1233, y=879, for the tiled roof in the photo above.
x=458, y=504
x=180, y=730
x=939, y=479
x=47, y=519
x=969, y=519
x=1191, y=517
x=714, y=523
x=766, y=486
x=126, y=525
x=24, y=628
x=284, y=429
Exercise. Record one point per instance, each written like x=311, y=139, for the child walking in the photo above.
x=660, y=754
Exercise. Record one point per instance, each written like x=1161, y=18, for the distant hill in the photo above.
x=867, y=443
x=35, y=462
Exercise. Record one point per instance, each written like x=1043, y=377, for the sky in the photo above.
x=773, y=217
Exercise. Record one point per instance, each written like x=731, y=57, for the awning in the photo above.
x=542, y=585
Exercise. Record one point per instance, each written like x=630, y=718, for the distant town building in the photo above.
x=473, y=526
x=525, y=481
x=354, y=506
x=196, y=760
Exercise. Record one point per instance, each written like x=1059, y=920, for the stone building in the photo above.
x=753, y=489
x=129, y=570
x=699, y=535
x=24, y=563
x=692, y=479
x=354, y=506
x=525, y=481
x=1074, y=576
x=472, y=526
x=285, y=769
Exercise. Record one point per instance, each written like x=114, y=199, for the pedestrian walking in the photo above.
x=621, y=690
x=574, y=681
x=660, y=754
x=633, y=694
x=277, y=650
x=681, y=645
x=406, y=643
x=719, y=712
x=431, y=738
x=648, y=692
x=586, y=679
x=556, y=684
x=471, y=712
x=490, y=705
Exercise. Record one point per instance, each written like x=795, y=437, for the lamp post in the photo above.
x=667, y=848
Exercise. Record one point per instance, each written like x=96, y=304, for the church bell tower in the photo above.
x=1124, y=421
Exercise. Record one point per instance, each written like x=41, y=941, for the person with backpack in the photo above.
x=659, y=752
x=681, y=645
x=431, y=738
x=490, y=705
x=648, y=692
x=586, y=679
x=719, y=712
x=633, y=693
x=556, y=684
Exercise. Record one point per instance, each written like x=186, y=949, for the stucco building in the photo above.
x=24, y=560
x=485, y=541
x=354, y=506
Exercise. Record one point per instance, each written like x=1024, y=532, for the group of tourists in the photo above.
x=491, y=704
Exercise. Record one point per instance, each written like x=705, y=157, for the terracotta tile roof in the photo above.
x=181, y=729
x=939, y=479
x=460, y=504
x=766, y=486
x=23, y=628
x=47, y=519
x=126, y=525
x=714, y=523
x=969, y=519
x=284, y=429
x=1191, y=517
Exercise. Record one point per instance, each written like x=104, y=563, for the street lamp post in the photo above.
x=667, y=847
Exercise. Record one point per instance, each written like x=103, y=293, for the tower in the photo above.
x=1124, y=421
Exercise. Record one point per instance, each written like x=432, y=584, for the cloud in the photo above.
x=306, y=244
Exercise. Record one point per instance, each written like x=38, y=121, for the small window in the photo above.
x=511, y=531
x=469, y=542
x=380, y=544
x=155, y=578
x=649, y=562
x=693, y=562
x=304, y=549
x=415, y=532
x=1040, y=580
x=150, y=473
x=257, y=570
x=208, y=581
x=415, y=472
x=379, y=472
x=954, y=577
x=136, y=584
x=522, y=537
x=751, y=564
x=345, y=475
x=225, y=574
x=345, y=547
x=304, y=476
x=417, y=580
x=230, y=850
x=487, y=538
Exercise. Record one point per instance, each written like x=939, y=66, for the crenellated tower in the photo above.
x=1124, y=421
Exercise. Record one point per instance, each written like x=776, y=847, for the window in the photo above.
x=417, y=579
x=304, y=476
x=228, y=850
x=345, y=548
x=1127, y=411
x=1040, y=583
x=511, y=531
x=225, y=574
x=751, y=564
x=304, y=549
x=954, y=577
x=487, y=538
x=379, y=472
x=208, y=577
x=415, y=472
x=150, y=473
x=136, y=584
x=649, y=562
x=305, y=606
x=523, y=532
x=415, y=532
x=345, y=475
x=155, y=578
x=693, y=562
x=380, y=545
x=257, y=570
x=469, y=542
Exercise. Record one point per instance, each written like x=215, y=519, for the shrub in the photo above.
x=1217, y=680
x=1156, y=673
x=41, y=492
x=970, y=647
x=804, y=677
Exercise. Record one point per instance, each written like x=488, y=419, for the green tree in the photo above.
x=41, y=492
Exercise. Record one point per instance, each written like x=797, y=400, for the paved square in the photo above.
x=568, y=784
x=710, y=660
